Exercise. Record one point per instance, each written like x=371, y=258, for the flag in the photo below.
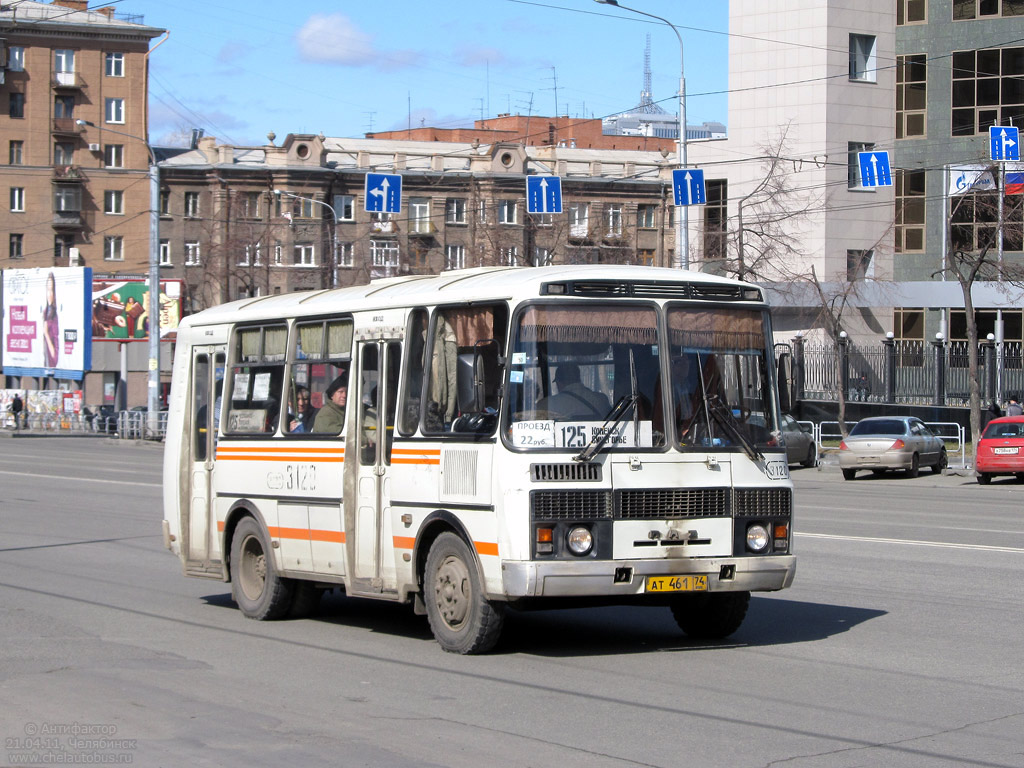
x=968, y=178
x=1014, y=183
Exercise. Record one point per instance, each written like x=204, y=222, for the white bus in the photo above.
x=485, y=439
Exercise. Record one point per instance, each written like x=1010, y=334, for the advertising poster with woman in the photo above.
x=47, y=322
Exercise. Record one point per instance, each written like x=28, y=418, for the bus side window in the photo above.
x=255, y=388
x=415, y=365
x=201, y=405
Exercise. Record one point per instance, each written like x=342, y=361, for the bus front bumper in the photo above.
x=597, y=578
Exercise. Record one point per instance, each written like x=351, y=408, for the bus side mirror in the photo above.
x=784, y=370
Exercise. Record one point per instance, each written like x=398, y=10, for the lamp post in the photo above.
x=153, y=395
x=334, y=230
x=682, y=260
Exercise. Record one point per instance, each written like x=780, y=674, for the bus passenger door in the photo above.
x=207, y=380
x=368, y=531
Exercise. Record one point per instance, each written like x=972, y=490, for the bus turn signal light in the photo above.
x=545, y=539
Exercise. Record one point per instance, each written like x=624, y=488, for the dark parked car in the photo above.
x=882, y=443
x=101, y=418
x=800, y=446
x=1001, y=449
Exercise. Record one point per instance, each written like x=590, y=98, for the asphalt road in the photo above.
x=900, y=644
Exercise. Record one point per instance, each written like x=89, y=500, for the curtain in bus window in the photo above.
x=443, y=383
x=721, y=330
x=569, y=326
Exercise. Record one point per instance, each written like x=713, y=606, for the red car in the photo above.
x=1001, y=449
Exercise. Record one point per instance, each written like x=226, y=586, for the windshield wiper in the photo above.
x=614, y=417
x=727, y=421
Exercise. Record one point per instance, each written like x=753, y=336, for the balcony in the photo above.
x=68, y=173
x=422, y=228
x=66, y=126
x=384, y=227
x=63, y=80
x=67, y=219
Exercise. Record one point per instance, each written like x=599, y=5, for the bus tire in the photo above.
x=258, y=590
x=305, y=599
x=712, y=615
x=462, y=619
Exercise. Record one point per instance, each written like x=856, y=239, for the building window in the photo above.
x=419, y=215
x=345, y=207
x=974, y=222
x=541, y=256
x=67, y=198
x=911, y=12
x=542, y=219
x=613, y=220
x=16, y=105
x=165, y=202
x=18, y=199
x=862, y=58
x=63, y=60
x=16, y=153
x=345, y=257
x=384, y=253
x=579, y=222
x=114, y=111
x=853, y=179
x=304, y=255
x=62, y=245
x=113, y=248
x=909, y=211
x=250, y=203
x=165, y=253
x=976, y=9
x=191, y=205
x=63, y=153
x=646, y=216
x=302, y=208
x=455, y=257
x=16, y=58
x=859, y=265
x=988, y=89
x=16, y=243
x=911, y=95
x=481, y=209
x=716, y=219
x=455, y=212
x=114, y=64
x=113, y=156
x=508, y=212
x=645, y=257
x=278, y=254
x=192, y=257
x=908, y=324
x=509, y=257
x=64, y=106
x=113, y=202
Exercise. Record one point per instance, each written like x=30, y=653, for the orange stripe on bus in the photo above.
x=417, y=452
x=307, y=534
x=328, y=459
x=404, y=542
x=433, y=462
x=276, y=449
x=486, y=547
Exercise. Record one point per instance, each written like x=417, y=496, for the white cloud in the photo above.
x=334, y=39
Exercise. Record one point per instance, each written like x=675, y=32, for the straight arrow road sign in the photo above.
x=875, y=170
x=543, y=194
x=383, y=193
x=688, y=187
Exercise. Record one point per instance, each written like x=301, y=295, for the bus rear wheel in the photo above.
x=255, y=584
x=711, y=616
x=461, y=617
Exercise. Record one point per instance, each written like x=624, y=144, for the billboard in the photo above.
x=120, y=309
x=47, y=322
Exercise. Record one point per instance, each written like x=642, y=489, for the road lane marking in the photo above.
x=63, y=478
x=912, y=542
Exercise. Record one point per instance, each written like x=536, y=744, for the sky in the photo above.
x=239, y=69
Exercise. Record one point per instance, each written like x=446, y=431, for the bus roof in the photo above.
x=456, y=286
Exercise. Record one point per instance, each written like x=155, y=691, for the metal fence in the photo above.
x=131, y=425
x=905, y=372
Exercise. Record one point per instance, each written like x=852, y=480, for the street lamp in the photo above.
x=153, y=396
x=334, y=230
x=683, y=220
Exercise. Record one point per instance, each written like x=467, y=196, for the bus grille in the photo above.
x=764, y=502
x=570, y=505
x=558, y=473
x=672, y=503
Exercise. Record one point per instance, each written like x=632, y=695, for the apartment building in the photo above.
x=70, y=185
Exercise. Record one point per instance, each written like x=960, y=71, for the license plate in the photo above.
x=1005, y=451
x=697, y=583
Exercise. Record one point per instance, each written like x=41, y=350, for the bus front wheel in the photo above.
x=255, y=584
x=461, y=617
x=711, y=616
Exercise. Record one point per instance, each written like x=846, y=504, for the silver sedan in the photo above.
x=883, y=443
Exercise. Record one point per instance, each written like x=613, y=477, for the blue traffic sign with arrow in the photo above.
x=875, y=170
x=1004, y=142
x=688, y=187
x=383, y=193
x=543, y=194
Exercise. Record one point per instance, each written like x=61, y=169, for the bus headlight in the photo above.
x=580, y=540
x=757, y=538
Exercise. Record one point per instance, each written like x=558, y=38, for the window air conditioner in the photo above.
x=94, y=147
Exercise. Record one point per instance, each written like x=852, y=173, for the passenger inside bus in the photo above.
x=331, y=418
x=305, y=416
x=574, y=400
